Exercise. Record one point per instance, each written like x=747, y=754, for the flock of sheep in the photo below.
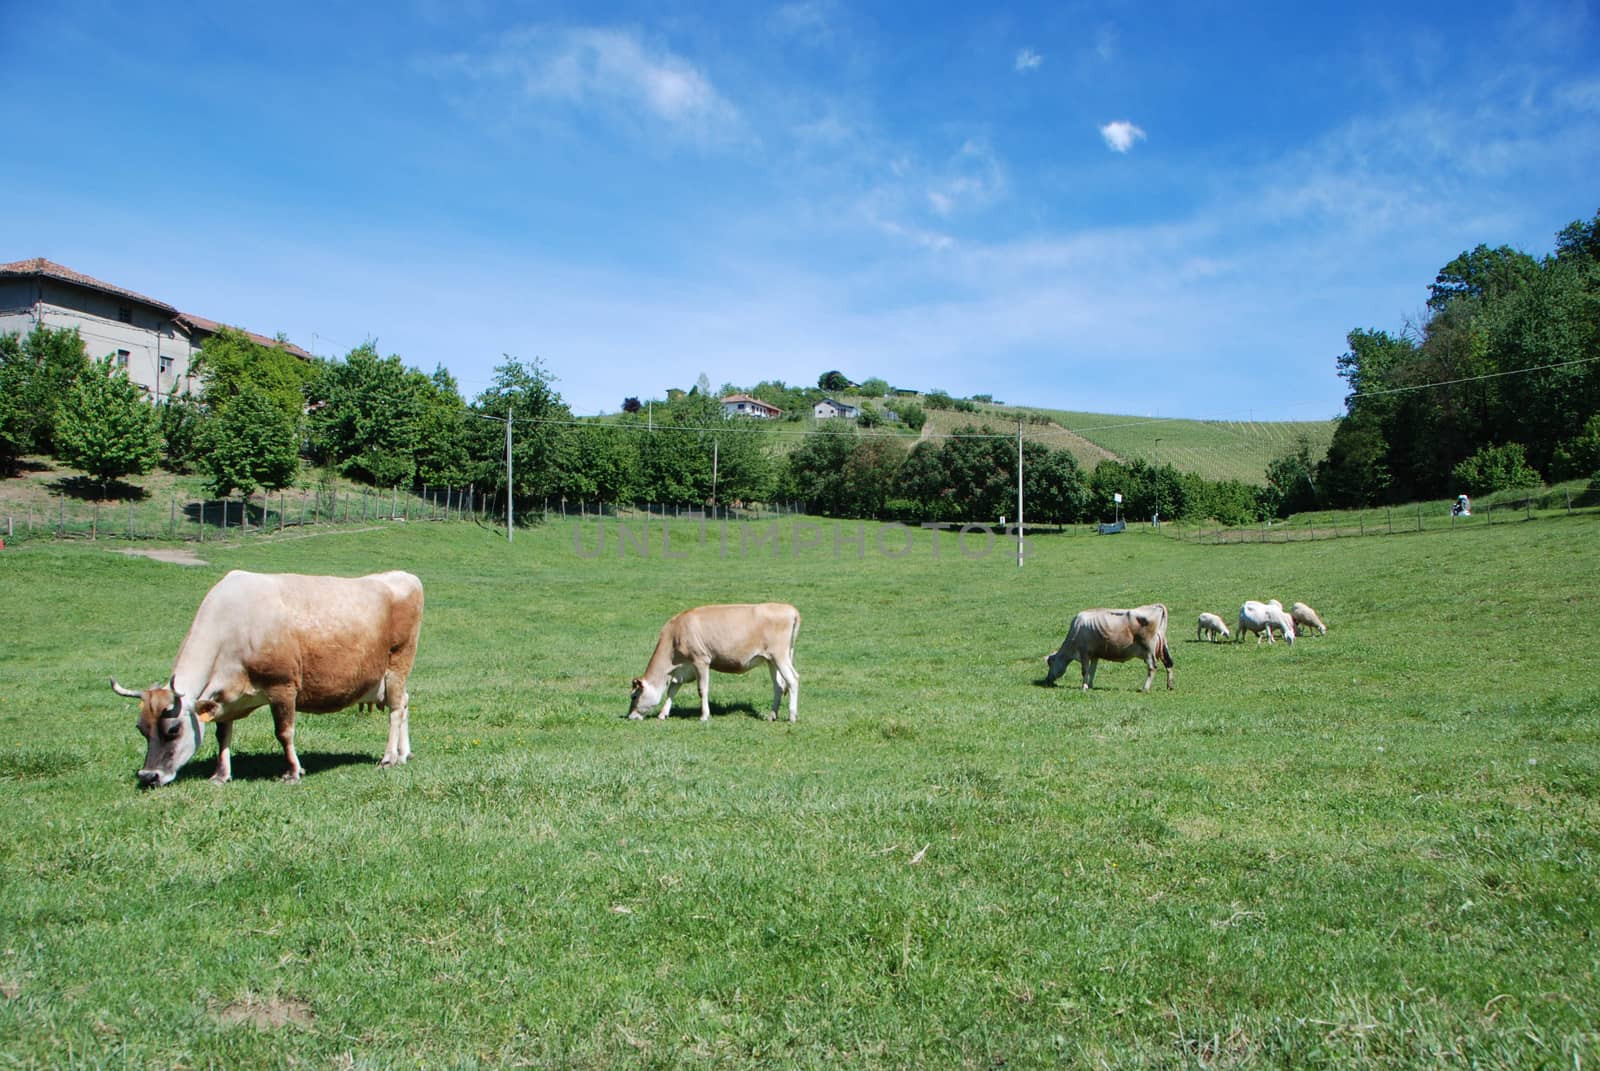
x=1262, y=618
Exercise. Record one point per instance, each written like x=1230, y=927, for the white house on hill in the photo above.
x=151, y=339
x=744, y=405
x=828, y=409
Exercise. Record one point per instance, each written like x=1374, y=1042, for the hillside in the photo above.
x=1215, y=449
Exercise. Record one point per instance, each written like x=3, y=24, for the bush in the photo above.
x=1496, y=468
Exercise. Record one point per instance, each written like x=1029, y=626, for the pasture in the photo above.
x=1376, y=849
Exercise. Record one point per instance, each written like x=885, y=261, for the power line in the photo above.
x=1474, y=379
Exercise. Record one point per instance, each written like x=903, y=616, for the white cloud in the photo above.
x=1028, y=60
x=601, y=68
x=1105, y=42
x=1120, y=135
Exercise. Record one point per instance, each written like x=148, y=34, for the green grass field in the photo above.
x=1375, y=849
x=1215, y=449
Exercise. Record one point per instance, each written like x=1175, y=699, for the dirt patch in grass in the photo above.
x=273, y=1013
x=175, y=555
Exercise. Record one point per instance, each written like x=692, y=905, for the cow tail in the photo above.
x=794, y=635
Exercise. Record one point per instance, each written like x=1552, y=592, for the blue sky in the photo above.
x=1152, y=209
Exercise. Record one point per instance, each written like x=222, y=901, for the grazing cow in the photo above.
x=1116, y=636
x=1211, y=626
x=1263, y=617
x=312, y=643
x=728, y=639
x=1306, y=618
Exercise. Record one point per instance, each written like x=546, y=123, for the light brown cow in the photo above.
x=1305, y=618
x=311, y=643
x=1116, y=636
x=729, y=639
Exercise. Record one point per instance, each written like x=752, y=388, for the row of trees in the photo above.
x=262, y=414
x=1499, y=387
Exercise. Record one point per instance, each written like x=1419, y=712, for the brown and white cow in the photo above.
x=729, y=639
x=1116, y=636
x=295, y=643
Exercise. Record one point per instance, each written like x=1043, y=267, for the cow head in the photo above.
x=172, y=727
x=644, y=698
x=1056, y=664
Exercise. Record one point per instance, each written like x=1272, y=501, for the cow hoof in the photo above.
x=772, y=716
x=218, y=779
x=387, y=761
x=291, y=778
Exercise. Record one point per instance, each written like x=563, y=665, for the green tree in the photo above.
x=541, y=434
x=1580, y=455
x=1482, y=273
x=105, y=427
x=1291, y=484
x=833, y=381
x=1055, y=490
x=247, y=442
x=1496, y=468
x=365, y=416
x=440, y=449
x=817, y=469
x=230, y=359
x=873, y=387
x=179, y=419
x=910, y=413
x=36, y=372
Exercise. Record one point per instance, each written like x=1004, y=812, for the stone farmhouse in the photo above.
x=152, y=340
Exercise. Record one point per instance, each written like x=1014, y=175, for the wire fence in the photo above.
x=1399, y=520
x=182, y=519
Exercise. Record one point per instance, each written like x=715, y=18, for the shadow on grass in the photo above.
x=718, y=710
x=89, y=490
x=269, y=766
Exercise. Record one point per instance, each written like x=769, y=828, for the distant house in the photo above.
x=152, y=340
x=744, y=405
x=828, y=409
x=905, y=392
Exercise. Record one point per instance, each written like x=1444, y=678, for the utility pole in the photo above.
x=510, y=516
x=1019, y=494
x=715, y=445
x=1158, y=483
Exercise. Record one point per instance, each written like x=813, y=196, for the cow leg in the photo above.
x=399, y=749
x=1088, y=664
x=703, y=679
x=224, y=772
x=666, y=704
x=1150, y=665
x=283, y=719
x=791, y=681
x=778, y=685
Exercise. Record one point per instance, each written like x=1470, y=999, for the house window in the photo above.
x=166, y=365
x=125, y=313
x=122, y=358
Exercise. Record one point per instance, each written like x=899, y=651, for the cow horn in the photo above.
x=129, y=692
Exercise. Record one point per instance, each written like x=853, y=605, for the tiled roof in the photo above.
x=51, y=270
x=211, y=327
